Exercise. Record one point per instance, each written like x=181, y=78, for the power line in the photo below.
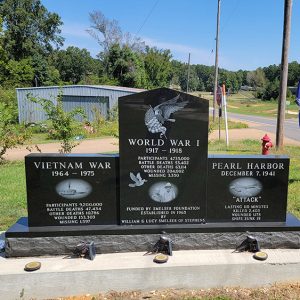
x=147, y=17
x=237, y=3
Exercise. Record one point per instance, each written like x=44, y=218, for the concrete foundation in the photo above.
x=39, y=246
x=196, y=269
x=22, y=241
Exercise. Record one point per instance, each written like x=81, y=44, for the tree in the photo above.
x=158, y=67
x=18, y=73
x=294, y=73
x=177, y=68
x=126, y=66
x=29, y=29
x=11, y=134
x=63, y=123
x=257, y=78
x=73, y=64
x=230, y=79
x=210, y=83
x=108, y=33
x=44, y=73
x=241, y=77
x=271, y=91
x=272, y=72
x=194, y=82
x=3, y=55
x=206, y=75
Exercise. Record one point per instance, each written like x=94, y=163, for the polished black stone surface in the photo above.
x=21, y=229
x=163, y=158
x=247, y=188
x=71, y=190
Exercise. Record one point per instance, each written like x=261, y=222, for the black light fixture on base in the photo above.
x=251, y=244
x=85, y=250
x=163, y=245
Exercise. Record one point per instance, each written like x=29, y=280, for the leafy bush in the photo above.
x=9, y=97
x=98, y=118
x=11, y=134
x=64, y=125
x=113, y=113
x=38, y=128
x=103, y=127
x=110, y=129
x=19, y=73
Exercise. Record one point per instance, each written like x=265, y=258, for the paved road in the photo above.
x=291, y=127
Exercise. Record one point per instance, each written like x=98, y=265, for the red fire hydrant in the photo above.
x=266, y=145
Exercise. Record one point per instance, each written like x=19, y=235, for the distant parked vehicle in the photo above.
x=247, y=88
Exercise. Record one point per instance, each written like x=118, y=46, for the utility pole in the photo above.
x=216, y=61
x=188, y=74
x=283, y=73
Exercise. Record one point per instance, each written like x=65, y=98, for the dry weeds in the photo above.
x=288, y=291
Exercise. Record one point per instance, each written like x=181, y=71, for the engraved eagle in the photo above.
x=157, y=116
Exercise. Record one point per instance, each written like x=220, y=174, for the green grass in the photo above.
x=107, y=129
x=41, y=138
x=246, y=146
x=259, y=108
x=254, y=147
x=110, y=129
x=231, y=124
x=13, y=193
x=245, y=103
x=13, y=190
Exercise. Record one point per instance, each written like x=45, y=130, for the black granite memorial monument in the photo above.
x=247, y=188
x=73, y=189
x=163, y=158
x=167, y=183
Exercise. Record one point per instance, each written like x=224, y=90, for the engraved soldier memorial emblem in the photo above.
x=163, y=192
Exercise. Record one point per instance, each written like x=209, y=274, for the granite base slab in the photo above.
x=22, y=241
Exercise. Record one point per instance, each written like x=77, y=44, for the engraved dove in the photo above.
x=138, y=181
x=157, y=116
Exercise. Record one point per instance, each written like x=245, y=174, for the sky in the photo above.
x=250, y=31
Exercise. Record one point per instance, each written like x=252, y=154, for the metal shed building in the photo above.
x=89, y=97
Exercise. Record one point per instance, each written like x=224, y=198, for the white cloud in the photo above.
x=75, y=30
x=76, y=35
x=94, y=50
x=198, y=55
x=180, y=51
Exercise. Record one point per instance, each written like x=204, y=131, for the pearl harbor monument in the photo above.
x=247, y=188
x=162, y=180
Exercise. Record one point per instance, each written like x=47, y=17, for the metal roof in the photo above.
x=103, y=87
x=104, y=97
